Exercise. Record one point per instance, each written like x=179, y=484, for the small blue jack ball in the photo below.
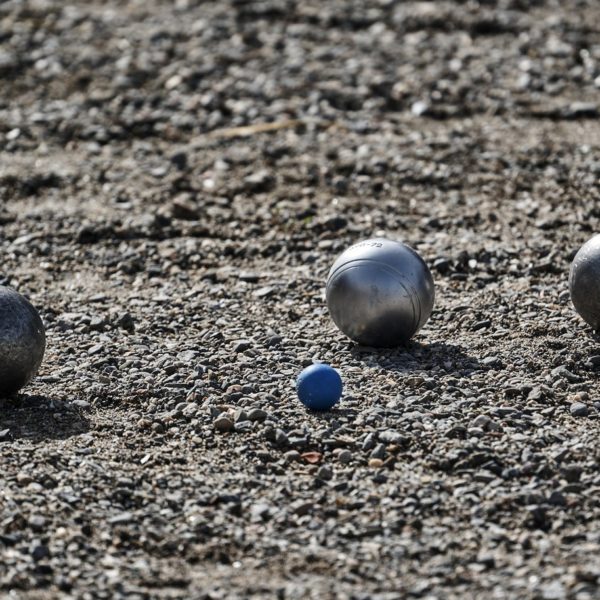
x=319, y=387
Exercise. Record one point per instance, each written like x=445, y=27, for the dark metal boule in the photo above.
x=380, y=292
x=584, y=282
x=22, y=341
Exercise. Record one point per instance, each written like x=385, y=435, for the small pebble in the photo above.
x=325, y=473
x=579, y=409
x=223, y=423
x=345, y=457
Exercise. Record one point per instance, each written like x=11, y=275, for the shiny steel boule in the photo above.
x=584, y=282
x=22, y=341
x=380, y=293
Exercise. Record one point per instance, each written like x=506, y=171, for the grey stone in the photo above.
x=579, y=409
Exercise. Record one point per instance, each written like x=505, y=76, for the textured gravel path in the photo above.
x=176, y=179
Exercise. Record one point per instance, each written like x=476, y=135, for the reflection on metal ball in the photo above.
x=22, y=341
x=380, y=293
x=584, y=282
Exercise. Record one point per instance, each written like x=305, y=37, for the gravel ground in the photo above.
x=176, y=179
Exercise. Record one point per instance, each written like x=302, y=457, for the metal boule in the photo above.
x=584, y=282
x=380, y=292
x=22, y=341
